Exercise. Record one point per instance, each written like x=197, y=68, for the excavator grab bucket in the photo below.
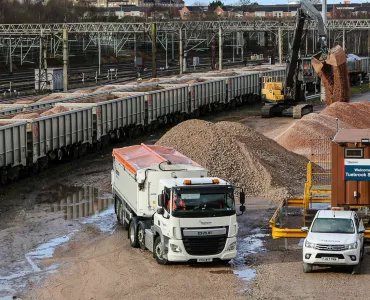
x=336, y=57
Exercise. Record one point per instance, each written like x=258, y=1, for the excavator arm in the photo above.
x=306, y=10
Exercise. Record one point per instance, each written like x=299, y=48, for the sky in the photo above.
x=265, y=2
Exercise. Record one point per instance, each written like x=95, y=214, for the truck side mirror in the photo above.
x=161, y=200
x=242, y=197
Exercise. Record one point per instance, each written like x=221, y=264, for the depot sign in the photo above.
x=357, y=169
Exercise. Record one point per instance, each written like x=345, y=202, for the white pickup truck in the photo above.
x=336, y=237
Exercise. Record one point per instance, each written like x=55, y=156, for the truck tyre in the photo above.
x=307, y=268
x=132, y=233
x=116, y=207
x=119, y=215
x=141, y=235
x=158, y=251
x=356, y=269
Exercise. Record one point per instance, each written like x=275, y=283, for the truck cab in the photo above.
x=196, y=220
x=335, y=238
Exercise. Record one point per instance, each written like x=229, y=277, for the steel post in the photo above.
x=154, y=50
x=180, y=50
x=10, y=57
x=344, y=40
x=173, y=46
x=220, y=55
x=40, y=62
x=280, y=43
x=99, y=53
x=65, y=60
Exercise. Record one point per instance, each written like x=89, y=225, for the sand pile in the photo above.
x=240, y=155
x=26, y=116
x=54, y=110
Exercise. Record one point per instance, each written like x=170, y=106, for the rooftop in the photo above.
x=351, y=135
x=344, y=214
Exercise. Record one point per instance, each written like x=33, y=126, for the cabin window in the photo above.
x=354, y=153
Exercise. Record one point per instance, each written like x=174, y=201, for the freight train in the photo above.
x=356, y=66
x=31, y=134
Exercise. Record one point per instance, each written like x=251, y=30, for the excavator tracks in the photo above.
x=301, y=109
x=270, y=111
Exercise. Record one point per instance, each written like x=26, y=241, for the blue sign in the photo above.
x=357, y=169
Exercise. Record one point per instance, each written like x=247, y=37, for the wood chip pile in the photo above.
x=56, y=96
x=299, y=137
x=240, y=155
x=147, y=89
x=25, y=101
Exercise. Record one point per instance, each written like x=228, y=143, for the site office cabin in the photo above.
x=350, y=174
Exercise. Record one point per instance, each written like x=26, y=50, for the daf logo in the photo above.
x=204, y=232
x=205, y=222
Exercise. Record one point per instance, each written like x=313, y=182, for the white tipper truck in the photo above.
x=170, y=206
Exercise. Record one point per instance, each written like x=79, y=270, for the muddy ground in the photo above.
x=60, y=240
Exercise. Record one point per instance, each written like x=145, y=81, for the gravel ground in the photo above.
x=96, y=262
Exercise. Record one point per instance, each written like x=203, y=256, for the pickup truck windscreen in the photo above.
x=333, y=225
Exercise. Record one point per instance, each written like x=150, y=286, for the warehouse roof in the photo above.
x=143, y=156
x=351, y=135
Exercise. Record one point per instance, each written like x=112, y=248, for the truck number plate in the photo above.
x=204, y=259
x=330, y=258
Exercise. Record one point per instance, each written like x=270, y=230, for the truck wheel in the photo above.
x=141, y=236
x=118, y=209
x=356, y=269
x=307, y=268
x=133, y=235
x=158, y=251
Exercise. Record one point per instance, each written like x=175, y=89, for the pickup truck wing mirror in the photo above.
x=304, y=229
x=362, y=230
x=161, y=200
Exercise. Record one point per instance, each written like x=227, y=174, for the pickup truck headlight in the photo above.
x=351, y=246
x=308, y=244
x=232, y=246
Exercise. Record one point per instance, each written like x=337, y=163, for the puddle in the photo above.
x=80, y=202
x=246, y=246
x=30, y=271
x=79, y=205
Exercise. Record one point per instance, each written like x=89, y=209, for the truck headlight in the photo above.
x=351, y=246
x=232, y=246
x=308, y=244
x=175, y=248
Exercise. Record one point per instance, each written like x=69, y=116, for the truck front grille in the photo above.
x=204, y=245
x=330, y=247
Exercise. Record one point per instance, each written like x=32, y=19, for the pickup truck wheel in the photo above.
x=356, y=269
x=141, y=236
x=133, y=235
x=158, y=251
x=307, y=268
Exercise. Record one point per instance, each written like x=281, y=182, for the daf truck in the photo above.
x=171, y=207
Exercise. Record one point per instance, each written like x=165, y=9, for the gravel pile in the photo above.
x=350, y=113
x=95, y=99
x=26, y=116
x=240, y=155
x=298, y=137
x=54, y=110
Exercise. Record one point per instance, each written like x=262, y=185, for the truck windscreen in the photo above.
x=206, y=202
